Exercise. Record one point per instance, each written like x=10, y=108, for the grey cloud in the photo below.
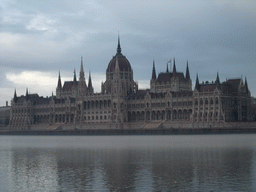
x=212, y=35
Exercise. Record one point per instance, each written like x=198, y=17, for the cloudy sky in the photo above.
x=39, y=38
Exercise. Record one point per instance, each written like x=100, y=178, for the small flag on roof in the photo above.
x=170, y=61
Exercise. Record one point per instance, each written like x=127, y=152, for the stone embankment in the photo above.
x=159, y=131
x=152, y=128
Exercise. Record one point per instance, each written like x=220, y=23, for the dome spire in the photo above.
x=118, y=45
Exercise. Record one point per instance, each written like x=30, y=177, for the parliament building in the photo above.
x=171, y=101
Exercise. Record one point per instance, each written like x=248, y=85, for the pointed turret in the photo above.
x=217, y=78
x=153, y=71
x=167, y=69
x=197, y=87
x=82, y=67
x=59, y=86
x=217, y=82
x=15, y=97
x=187, y=72
x=81, y=75
x=246, y=85
x=90, y=88
x=118, y=46
x=27, y=97
x=174, y=68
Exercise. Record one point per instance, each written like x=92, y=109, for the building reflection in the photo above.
x=32, y=170
x=127, y=169
x=76, y=168
x=221, y=167
x=172, y=169
x=121, y=168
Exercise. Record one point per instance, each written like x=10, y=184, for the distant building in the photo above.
x=4, y=116
x=169, y=101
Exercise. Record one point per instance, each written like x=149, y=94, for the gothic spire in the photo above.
x=118, y=45
x=174, y=68
x=217, y=78
x=187, y=72
x=81, y=75
x=82, y=67
x=15, y=96
x=197, y=87
x=90, y=88
x=153, y=71
x=90, y=80
x=59, y=86
x=246, y=85
x=167, y=69
x=217, y=82
x=27, y=97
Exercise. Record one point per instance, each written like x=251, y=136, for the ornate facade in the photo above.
x=169, y=101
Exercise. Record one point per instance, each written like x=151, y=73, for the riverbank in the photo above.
x=171, y=131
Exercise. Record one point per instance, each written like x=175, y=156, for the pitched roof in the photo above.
x=34, y=99
x=68, y=85
x=166, y=77
x=207, y=87
x=140, y=94
x=234, y=83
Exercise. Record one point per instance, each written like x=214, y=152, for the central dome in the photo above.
x=124, y=64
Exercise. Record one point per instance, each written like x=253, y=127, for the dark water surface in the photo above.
x=128, y=163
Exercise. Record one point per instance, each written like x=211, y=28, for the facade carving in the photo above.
x=170, y=100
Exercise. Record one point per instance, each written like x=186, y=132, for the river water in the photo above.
x=128, y=163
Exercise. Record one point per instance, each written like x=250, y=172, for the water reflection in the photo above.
x=134, y=167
